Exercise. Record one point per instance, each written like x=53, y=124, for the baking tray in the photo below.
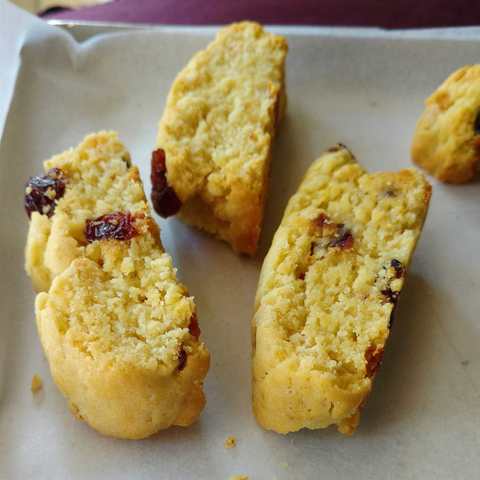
x=362, y=87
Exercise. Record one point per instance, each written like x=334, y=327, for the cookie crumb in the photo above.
x=37, y=384
x=238, y=477
x=230, y=442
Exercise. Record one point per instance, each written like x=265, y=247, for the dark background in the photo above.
x=371, y=13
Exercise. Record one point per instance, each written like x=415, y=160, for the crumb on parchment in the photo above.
x=37, y=384
x=230, y=442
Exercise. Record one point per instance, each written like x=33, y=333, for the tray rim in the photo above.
x=89, y=29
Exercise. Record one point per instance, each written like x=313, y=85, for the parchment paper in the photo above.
x=365, y=90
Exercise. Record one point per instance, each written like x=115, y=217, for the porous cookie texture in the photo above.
x=327, y=291
x=98, y=180
x=119, y=331
x=447, y=137
x=216, y=134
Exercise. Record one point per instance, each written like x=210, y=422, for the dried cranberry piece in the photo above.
x=391, y=321
x=113, y=226
x=43, y=192
x=164, y=199
x=337, y=234
x=343, y=239
x=182, y=359
x=165, y=202
x=158, y=169
x=193, y=328
x=373, y=359
x=390, y=193
x=476, y=125
x=337, y=147
x=321, y=220
x=391, y=295
x=398, y=267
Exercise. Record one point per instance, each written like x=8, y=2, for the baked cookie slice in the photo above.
x=215, y=138
x=447, y=137
x=327, y=291
x=119, y=331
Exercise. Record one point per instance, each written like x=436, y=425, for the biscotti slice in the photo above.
x=447, y=137
x=119, y=331
x=215, y=138
x=327, y=291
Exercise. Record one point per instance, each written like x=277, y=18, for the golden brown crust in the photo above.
x=446, y=140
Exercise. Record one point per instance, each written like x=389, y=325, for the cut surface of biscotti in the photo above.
x=80, y=184
x=119, y=331
x=447, y=136
x=327, y=291
x=214, y=141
